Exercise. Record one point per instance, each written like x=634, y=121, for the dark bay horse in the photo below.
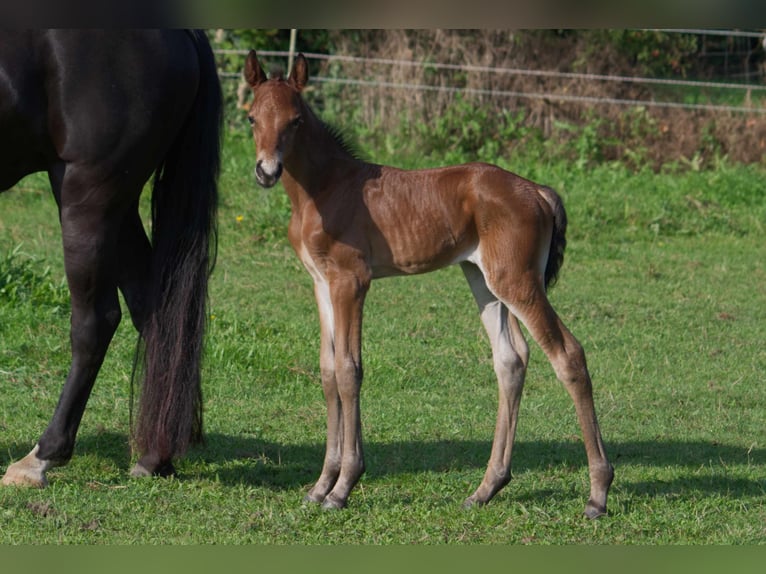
x=101, y=112
x=353, y=222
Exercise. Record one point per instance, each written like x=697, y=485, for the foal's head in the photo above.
x=276, y=114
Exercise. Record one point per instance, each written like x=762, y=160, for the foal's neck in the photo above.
x=318, y=155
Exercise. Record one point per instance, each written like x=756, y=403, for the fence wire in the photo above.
x=545, y=96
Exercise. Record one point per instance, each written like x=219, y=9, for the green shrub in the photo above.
x=23, y=281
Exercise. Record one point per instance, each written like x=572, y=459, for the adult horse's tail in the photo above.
x=558, y=239
x=184, y=204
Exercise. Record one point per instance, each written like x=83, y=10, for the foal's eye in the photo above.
x=251, y=119
x=296, y=122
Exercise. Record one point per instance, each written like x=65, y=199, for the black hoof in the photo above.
x=150, y=466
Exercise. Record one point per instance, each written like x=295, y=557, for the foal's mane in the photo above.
x=339, y=137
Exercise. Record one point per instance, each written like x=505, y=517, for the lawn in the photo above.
x=664, y=283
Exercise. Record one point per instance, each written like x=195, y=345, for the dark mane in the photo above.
x=341, y=138
x=276, y=73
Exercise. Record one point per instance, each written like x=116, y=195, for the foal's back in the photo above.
x=419, y=220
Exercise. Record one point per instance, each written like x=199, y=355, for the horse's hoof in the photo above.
x=23, y=477
x=28, y=472
x=164, y=470
x=139, y=471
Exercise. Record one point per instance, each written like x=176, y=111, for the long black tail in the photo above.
x=558, y=239
x=184, y=240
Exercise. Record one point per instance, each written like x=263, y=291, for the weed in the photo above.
x=22, y=280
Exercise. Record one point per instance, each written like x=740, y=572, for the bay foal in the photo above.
x=353, y=222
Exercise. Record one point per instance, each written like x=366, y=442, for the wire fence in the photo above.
x=564, y=79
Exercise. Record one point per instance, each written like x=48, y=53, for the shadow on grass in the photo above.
x=241, y=460
x=237, y=460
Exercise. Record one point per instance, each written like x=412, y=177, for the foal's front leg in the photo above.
x=348, y=294
x=342, y=387
x=332, y=459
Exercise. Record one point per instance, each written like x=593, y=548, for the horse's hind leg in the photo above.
x=134, y=253
x=527, y=300
x=510, y=355
x=89, y=256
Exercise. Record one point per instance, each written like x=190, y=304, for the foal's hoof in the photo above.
x=472, y=502
x=593, y=510
x=332, y=502
x=329, y=502
x=309, y=500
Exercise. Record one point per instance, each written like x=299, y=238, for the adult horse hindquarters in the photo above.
x=353, y=222
x=101, y=111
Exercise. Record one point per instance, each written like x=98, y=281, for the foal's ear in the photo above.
x=253, y=73
x=299, y=75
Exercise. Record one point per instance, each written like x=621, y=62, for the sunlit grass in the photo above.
x=664, y=283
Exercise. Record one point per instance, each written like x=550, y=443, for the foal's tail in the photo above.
x=184, y=240
x=558, y=239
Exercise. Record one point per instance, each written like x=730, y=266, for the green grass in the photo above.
x=664, y=283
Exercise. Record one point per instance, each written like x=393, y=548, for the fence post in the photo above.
x=291, y=53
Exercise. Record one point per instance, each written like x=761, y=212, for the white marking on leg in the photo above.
x=321, y=290
x=473, y=255
x=29, y=471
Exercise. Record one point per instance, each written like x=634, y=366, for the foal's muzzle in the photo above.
x=267, y=173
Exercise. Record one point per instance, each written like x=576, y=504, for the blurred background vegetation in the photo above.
x=461, y=113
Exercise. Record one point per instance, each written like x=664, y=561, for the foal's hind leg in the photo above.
x=527, y=300
x=89, y=240
x=510, y=355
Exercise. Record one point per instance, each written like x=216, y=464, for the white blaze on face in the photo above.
x=268, y=168
x=270, y=165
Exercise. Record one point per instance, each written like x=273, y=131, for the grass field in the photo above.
x=664, y=283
